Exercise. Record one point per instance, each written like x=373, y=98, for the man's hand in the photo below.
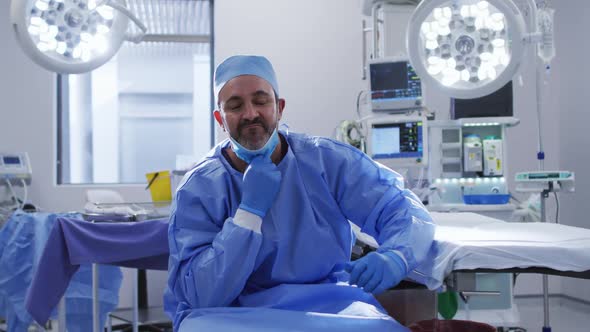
x=377, y=272
x=262, y=181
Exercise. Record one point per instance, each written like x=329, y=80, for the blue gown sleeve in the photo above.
x=373, y=197
x=211, y=257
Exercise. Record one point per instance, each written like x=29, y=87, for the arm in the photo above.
x=373, y=197
x=209, y=264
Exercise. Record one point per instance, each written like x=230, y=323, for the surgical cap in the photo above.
x=239, y=65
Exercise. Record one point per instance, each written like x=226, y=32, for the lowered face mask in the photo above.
x=248, y=155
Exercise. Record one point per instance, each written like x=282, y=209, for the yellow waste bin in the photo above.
x=159, y=186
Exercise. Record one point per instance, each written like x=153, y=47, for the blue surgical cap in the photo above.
x=239, y=65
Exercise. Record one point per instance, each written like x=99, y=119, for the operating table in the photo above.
x=472, y=242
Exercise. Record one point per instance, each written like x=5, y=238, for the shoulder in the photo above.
x=322, y=146
x=341, y=159
x=206, y=172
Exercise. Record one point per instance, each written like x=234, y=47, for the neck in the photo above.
x=276, y=156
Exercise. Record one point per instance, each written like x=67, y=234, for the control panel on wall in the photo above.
x=473, y=163
x=482, y=150
x=15, y=167
x=471, y=150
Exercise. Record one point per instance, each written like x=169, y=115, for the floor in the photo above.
x=565, y=315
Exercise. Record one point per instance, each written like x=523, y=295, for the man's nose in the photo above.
x=250, y=111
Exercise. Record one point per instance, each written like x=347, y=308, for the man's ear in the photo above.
x=281, y=107
x=217, y=116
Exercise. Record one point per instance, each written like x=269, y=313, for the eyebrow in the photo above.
x=261, y=93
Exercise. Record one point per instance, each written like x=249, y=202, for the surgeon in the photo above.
x=259, y=234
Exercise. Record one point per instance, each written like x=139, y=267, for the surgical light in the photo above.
x=467, y=48
x=71, y=36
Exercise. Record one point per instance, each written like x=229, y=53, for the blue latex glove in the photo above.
x=262, y=181
x=377, y=271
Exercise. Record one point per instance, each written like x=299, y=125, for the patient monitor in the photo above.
x=394, y=84
x=15, y=167
x=398, y=141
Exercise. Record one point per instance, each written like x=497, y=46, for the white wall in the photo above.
x=315, y=47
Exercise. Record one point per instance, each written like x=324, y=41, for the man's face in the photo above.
x=250, y=110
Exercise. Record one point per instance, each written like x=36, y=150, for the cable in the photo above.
x=25, y=193
x=14, y=197
x=123, y=10
x=361, y=120
x=6, y=208
x=514, y=198
x=345, y=132
x=421, y=177
x=335, y=132
x=358, y=103
x=557, y=205
x=418, y=185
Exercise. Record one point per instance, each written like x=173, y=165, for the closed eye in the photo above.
x=233, y=106
x=261, y=101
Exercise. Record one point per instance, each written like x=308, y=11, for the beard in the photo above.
x=253, y=134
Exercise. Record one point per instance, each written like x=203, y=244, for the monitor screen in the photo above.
x=10, y=160
x=391, y=81
x=498, y=103
x=397, y=140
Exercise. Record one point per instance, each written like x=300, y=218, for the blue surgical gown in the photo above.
x=226, y=277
